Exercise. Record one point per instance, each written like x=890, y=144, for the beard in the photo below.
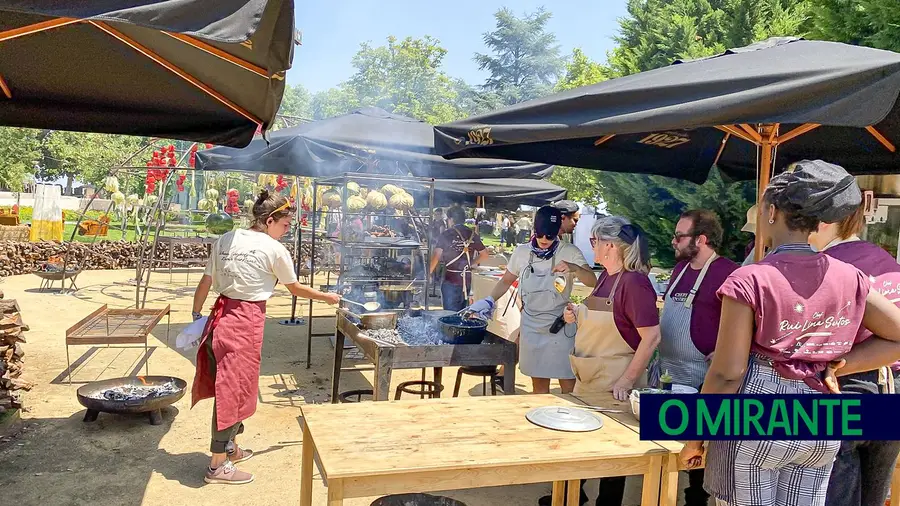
x=688, y=252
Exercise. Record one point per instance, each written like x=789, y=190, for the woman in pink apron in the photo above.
x=244, y=267
x=617, y=325
x=765, y=346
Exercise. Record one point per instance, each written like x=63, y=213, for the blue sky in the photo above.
x=332, y=31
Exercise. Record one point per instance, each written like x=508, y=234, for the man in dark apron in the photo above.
x=460, y=249
x=689, y=323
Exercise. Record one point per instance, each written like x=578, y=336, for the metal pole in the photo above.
x=312, y=273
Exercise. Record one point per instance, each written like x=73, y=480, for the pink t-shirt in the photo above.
x=809, y=309
x=881, y=268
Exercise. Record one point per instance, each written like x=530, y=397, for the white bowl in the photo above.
x=635, y=404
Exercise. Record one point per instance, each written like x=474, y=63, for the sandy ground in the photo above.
x=51, y=457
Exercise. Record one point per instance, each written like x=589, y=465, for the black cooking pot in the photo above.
x=459, y=330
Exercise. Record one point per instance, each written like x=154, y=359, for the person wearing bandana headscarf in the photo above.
x=546, y=269
x=764, y=346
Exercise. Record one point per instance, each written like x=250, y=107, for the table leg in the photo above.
x=650, y=491
x=338, y=360
x=573, y=497
x=382, y=379
x=669, y=488
x=558, y=496
x=335, y=492
x=509, y=378
x=306, y=468
x=438, y=377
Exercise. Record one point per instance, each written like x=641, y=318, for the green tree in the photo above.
x=655, y=33
x=20, y=150
x=296, y=102
x=87, y=157
x=333, y=102
x=873, y=23
x=524, y=59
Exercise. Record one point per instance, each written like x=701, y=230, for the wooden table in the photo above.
x=116, y=326
x=671, y=465
x=382, y=448
x=493, y=351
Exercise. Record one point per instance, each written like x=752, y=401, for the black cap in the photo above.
x=566, y=206
x=547, y=221
x=816, y=189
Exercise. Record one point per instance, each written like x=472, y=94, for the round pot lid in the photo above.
x=569, y=419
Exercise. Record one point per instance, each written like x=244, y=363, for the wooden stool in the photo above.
x=489, y=371
x=431, y=389
x=346, y=397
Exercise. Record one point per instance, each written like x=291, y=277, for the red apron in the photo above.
x=238, y=328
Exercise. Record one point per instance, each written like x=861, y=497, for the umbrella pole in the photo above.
x=765, y=173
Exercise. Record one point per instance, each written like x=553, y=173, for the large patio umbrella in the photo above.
x=364, y=140
x=746, y=111
x=510, y=192
x=185, y=69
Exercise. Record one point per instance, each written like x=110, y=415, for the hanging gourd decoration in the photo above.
x=111, y=184
x=355, y=203
x=390, y=189
x=332, y=199
x=402, y=201
x=353, y=188
x=248, y=205
x=219, y=223
x=118, y=198
x=151, y=200
x=376, y=200
x=132, y=200
x=203, y=205
x=212, y=194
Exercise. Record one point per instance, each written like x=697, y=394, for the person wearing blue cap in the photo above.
x=546, y=269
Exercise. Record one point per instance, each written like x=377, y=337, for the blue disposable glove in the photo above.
x=483, y=308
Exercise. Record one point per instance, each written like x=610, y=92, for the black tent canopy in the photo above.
x=771, y=103
x=511, y=192
x=364, y=140
x=185, y=69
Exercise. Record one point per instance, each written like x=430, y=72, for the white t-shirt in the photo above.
x=522, y=254
x=245, y=265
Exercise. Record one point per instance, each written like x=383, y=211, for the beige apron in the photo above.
x=601, y=355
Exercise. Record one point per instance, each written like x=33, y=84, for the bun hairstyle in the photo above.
x=269, y=205
x=628, y=238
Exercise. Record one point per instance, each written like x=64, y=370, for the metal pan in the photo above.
x=372, y=321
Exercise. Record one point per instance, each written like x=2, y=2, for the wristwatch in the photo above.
x=196, y=315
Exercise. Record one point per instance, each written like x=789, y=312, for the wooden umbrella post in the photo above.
x=767, y=146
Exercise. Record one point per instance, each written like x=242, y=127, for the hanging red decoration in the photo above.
x=194, y=148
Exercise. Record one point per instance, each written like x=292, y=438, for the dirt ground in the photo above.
x=51, y=457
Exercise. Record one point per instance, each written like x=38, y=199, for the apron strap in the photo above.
x=465, y=251
x=612, y=292
x=689, y=301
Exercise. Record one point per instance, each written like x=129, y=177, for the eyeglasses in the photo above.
x=680, y=235
x=545, y=236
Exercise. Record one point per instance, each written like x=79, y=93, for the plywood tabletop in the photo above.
x=627, y=418
x=383, y=438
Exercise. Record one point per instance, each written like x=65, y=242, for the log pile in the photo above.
x=27, y=257
x=12, y=355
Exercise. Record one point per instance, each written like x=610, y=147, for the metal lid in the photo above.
x=569, y=419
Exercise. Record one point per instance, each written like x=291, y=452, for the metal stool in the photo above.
x=346, y=396
x=431, y=389
x=416, y=500
x=489, y=371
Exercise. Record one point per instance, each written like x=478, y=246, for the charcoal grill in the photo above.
x=152, y=406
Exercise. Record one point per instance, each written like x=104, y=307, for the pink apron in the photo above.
x=237, y=346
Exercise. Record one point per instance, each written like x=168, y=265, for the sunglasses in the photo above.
x=679, y=236
x=549, y=237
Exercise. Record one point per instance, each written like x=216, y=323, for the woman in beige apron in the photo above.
x=603, y=360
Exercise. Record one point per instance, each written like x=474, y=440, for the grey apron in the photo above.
x=677, y=353
x=542, y=354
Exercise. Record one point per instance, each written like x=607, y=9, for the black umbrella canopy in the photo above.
x=510, y=192
x=184, y=69
x=791, y=97
x=365, y=140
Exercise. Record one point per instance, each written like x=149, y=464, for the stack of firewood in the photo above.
x=11, y=356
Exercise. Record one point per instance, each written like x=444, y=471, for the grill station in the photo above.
x=492, y=351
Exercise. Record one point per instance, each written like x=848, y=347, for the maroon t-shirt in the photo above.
x=876, y=263
x=634, y=303
x=707, y=307
x=451, y=245
x=808, y=310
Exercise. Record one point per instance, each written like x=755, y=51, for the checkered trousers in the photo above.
x=765, y=473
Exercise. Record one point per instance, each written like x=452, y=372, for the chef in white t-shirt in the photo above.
x=244, y=267
x=546, y=269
